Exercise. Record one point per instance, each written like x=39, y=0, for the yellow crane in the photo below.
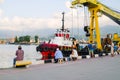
x=94, y=7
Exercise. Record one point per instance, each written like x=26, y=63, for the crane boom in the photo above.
x=94, y=7
x=112, y=14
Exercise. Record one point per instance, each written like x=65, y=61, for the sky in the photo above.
x=42, y=17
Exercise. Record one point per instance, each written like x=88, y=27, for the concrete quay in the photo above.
x=100, y=68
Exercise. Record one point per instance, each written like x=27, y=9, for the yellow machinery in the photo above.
x=94, y=7
x=116, y=39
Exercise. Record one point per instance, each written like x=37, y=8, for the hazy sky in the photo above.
x=30, y=15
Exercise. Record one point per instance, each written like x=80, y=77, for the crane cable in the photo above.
x=72, y=22
x=85, y=16
x=78, y=23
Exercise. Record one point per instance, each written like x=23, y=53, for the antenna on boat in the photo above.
x=63, y=21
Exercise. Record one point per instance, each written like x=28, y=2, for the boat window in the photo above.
x=64, y=47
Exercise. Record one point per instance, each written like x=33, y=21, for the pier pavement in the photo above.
x=101, y=68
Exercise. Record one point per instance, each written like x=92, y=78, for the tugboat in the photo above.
x=62, y=40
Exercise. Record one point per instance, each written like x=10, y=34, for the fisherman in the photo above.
x=74, y=55
x=58, y=56
x=19, y=55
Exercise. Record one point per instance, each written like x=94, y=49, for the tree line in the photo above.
x=26, y=39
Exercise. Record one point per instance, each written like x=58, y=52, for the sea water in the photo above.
x=7, y=54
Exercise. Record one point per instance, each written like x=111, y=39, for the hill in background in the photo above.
x=48, y=33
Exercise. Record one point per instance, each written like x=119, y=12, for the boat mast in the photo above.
x=63, y=21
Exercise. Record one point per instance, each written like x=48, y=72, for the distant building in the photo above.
x=2, y=41
x=32, y=40
x=10, y=40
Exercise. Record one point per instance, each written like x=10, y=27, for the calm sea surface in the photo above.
x=7, y=54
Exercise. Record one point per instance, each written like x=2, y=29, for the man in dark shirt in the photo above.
x=19, y=54
x=90, y=47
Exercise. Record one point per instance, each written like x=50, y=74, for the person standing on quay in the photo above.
x=90, y=47
x=118, y=50
x=112, y=49
x=19, y=55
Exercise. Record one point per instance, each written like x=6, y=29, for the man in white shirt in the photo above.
x=74, y=55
